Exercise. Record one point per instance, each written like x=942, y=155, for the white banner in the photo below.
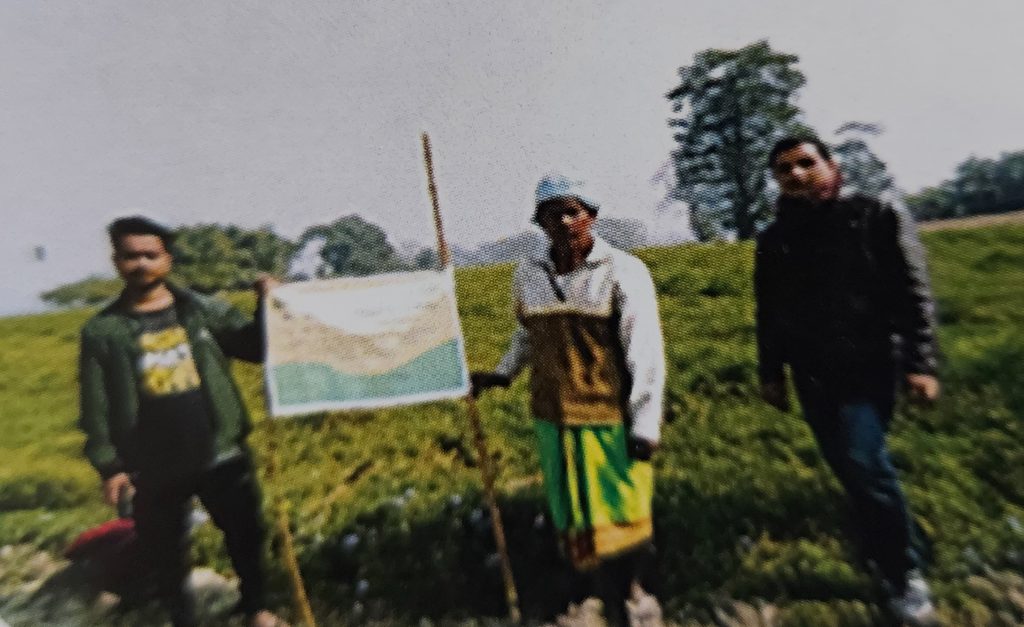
x=362, y=342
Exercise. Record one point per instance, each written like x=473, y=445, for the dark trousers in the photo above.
x=850, y=429
x=230, y=494
x=614, y=577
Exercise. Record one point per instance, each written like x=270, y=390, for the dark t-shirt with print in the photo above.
x=174, y=429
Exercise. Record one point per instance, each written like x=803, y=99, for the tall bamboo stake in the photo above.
x=443, y=256
x=486, y=470
x=291, y=563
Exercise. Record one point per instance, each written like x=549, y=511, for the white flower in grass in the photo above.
x=362, y=587
x=350, y=541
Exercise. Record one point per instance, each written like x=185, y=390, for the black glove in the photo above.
x=640, y=449
x=480, y=381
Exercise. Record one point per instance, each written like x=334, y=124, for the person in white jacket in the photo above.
x=590, y=332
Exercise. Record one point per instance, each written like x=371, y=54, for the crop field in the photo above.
x=386, y=506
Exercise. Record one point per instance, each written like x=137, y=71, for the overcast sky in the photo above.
x=295, y=113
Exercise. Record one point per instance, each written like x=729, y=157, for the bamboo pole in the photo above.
x=443, y=256
x=487, y=472
x=486, y=469
x=291, y=563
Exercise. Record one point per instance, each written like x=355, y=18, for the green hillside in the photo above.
x=745, y=508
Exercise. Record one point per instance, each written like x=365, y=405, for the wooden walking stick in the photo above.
x=486, y=469
x=291, y=563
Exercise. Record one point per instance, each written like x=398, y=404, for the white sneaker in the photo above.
x=914, y=607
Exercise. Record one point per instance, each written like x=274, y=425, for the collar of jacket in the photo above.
x=599, y=253
x=186, y=307
x=184, y=303
x=796, y=212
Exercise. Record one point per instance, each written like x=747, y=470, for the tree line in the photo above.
x=978, y=186
x=215, y=257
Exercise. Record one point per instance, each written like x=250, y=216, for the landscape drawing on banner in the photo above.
x=362, y=342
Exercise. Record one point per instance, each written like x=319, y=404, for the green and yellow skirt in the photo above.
x=600, y=499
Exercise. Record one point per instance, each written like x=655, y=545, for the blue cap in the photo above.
x=556, y=185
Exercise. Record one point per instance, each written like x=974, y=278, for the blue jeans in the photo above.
x=850, y=430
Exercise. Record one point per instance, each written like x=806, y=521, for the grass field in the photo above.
x=386, y=504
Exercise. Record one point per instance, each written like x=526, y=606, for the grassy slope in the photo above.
x=972, y=222
x=744, y=506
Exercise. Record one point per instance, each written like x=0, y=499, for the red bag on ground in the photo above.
x=103, y=540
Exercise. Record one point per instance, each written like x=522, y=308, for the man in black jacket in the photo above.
x=843, y=298
x=162, y=414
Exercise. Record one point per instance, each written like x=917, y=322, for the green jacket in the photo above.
x=108, y=374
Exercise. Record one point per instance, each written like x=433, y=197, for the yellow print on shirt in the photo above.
x=166, y=365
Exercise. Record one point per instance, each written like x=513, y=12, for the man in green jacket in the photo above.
x=165, y=421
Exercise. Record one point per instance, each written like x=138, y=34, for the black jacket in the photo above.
x=842, y=291
x=108, y=374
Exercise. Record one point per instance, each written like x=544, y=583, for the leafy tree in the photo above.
x=863, y=171
x=352, y=246
x=267, y=251
x=974, y=186
x=207, y=258
x=931, y=203
x=1009, y=180
x=89, y=291
x=978, y=186
x=731, y=106
x=211, y=257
